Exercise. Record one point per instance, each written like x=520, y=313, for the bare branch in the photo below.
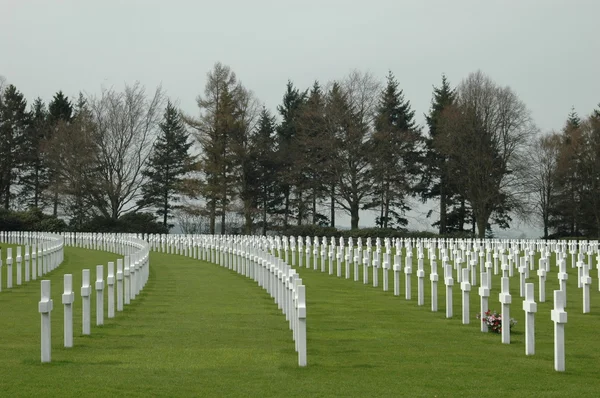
x=126, y=125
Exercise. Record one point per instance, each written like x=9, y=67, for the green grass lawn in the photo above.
x=199, y=329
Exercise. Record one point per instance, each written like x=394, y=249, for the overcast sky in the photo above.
x=546, y=50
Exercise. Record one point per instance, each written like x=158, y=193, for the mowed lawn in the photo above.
x=199, y=329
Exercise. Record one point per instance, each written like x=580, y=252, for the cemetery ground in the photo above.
x=198, y=329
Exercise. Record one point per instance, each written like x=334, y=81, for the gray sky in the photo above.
x=546, y=50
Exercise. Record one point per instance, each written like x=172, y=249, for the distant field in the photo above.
x=201, y=330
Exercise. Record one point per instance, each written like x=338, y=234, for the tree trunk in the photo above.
x=481, y=223
x=443, y=207
x=114, y=208
x=481, y=218
x=248, y=217
x=36, y=188
x=386, y=211
x=223, y=213
x=332, y=206
x=7, y=197
x=223, y=202
x=212, y=208
x=300, y=207
x=314, y=207
x=165, y=207
x=574, y=207
x=354, y=216
x=55, y=207
x=461, y=215
x=166, y=198
x=286, y=208
x=264, y=218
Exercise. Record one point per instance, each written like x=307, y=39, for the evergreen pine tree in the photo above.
x=34, y=179
x=169, y=162
x=565, y=213
x=15, y=121
x=290, y=177
x=394, y=155
x=349, y=165
x=436, y=181
x=263, y=178
x=314, y=151
x=60, y=108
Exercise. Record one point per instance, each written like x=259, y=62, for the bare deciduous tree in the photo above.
x=192, y=219
x=125, y=123
x=349, y=113
x=362, y=92
x=362, y=89
x=544, y=155
x=486, y=137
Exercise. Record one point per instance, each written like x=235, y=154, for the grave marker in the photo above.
x=562, y=278
x=484, y=293
x=86, y=291
x=407, y=275
x=357, y=254
x=433, y=277
x=366, y=259
x=110, y=281
x=397, y=270
x=68, y=298
x=9, y=273
x=559, y=317
x=119, y=284
x=386, y=268
x=27, y=269
x=99, y=295
x=420, y=281
x=586, y=281
x=465, y=286
x=45, y=308
x=127, y=283
x=448, y=281
x=530, y=308
x=541, y=272
x=19, y=261
x=505, y=299
x=376, y=268
x=301, y=337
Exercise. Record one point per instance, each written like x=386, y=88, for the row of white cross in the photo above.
x=131, y=276
x=468, y=276
x=249, y=256
x=494, y=256
x=42, y=254
x=259, y=258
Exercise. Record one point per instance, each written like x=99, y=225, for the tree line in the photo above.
x=352, y=144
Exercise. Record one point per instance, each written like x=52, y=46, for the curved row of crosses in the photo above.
x=249, y=256
x=45, y=252
x=468, y=262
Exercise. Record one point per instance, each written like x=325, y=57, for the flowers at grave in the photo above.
x=493, y=320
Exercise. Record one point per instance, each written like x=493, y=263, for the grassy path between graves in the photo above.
x=201, y=330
